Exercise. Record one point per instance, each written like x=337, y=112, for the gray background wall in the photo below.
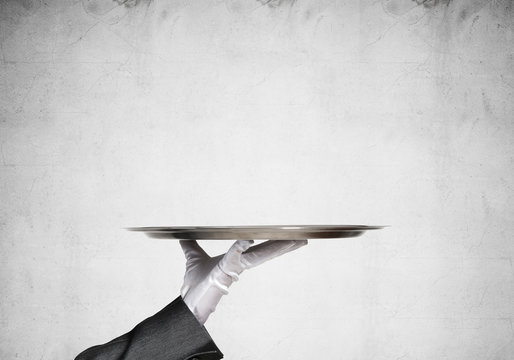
x=244, y=112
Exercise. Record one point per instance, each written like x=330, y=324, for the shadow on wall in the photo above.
x=19, y=7
x=112, y=11
x=452, y=15
x=461, y=10
x=102, y=7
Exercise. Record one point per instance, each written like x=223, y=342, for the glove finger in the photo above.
x=231, y=264
x=192, y=250
x=268, y=250
x=238, y=248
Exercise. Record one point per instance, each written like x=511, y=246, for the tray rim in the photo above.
x=255, y=232
x=256, y=227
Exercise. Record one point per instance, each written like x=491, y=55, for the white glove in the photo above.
x=207, y=278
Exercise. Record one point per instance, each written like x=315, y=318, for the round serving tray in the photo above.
x=261, y=232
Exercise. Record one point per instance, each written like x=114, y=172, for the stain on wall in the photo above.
x=277, y=3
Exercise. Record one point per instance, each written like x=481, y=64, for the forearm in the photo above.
x=172, y=334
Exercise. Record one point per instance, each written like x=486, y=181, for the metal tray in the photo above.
x=261, y=232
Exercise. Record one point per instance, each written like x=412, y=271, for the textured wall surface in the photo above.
x=230, y=112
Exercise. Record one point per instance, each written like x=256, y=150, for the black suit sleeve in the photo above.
x=171, y=334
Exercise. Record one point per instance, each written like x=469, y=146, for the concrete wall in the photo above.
x=273, y=112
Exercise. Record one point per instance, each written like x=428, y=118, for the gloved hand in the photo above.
x=207, y=278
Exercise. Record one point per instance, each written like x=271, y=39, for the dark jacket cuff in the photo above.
x=172, y=334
